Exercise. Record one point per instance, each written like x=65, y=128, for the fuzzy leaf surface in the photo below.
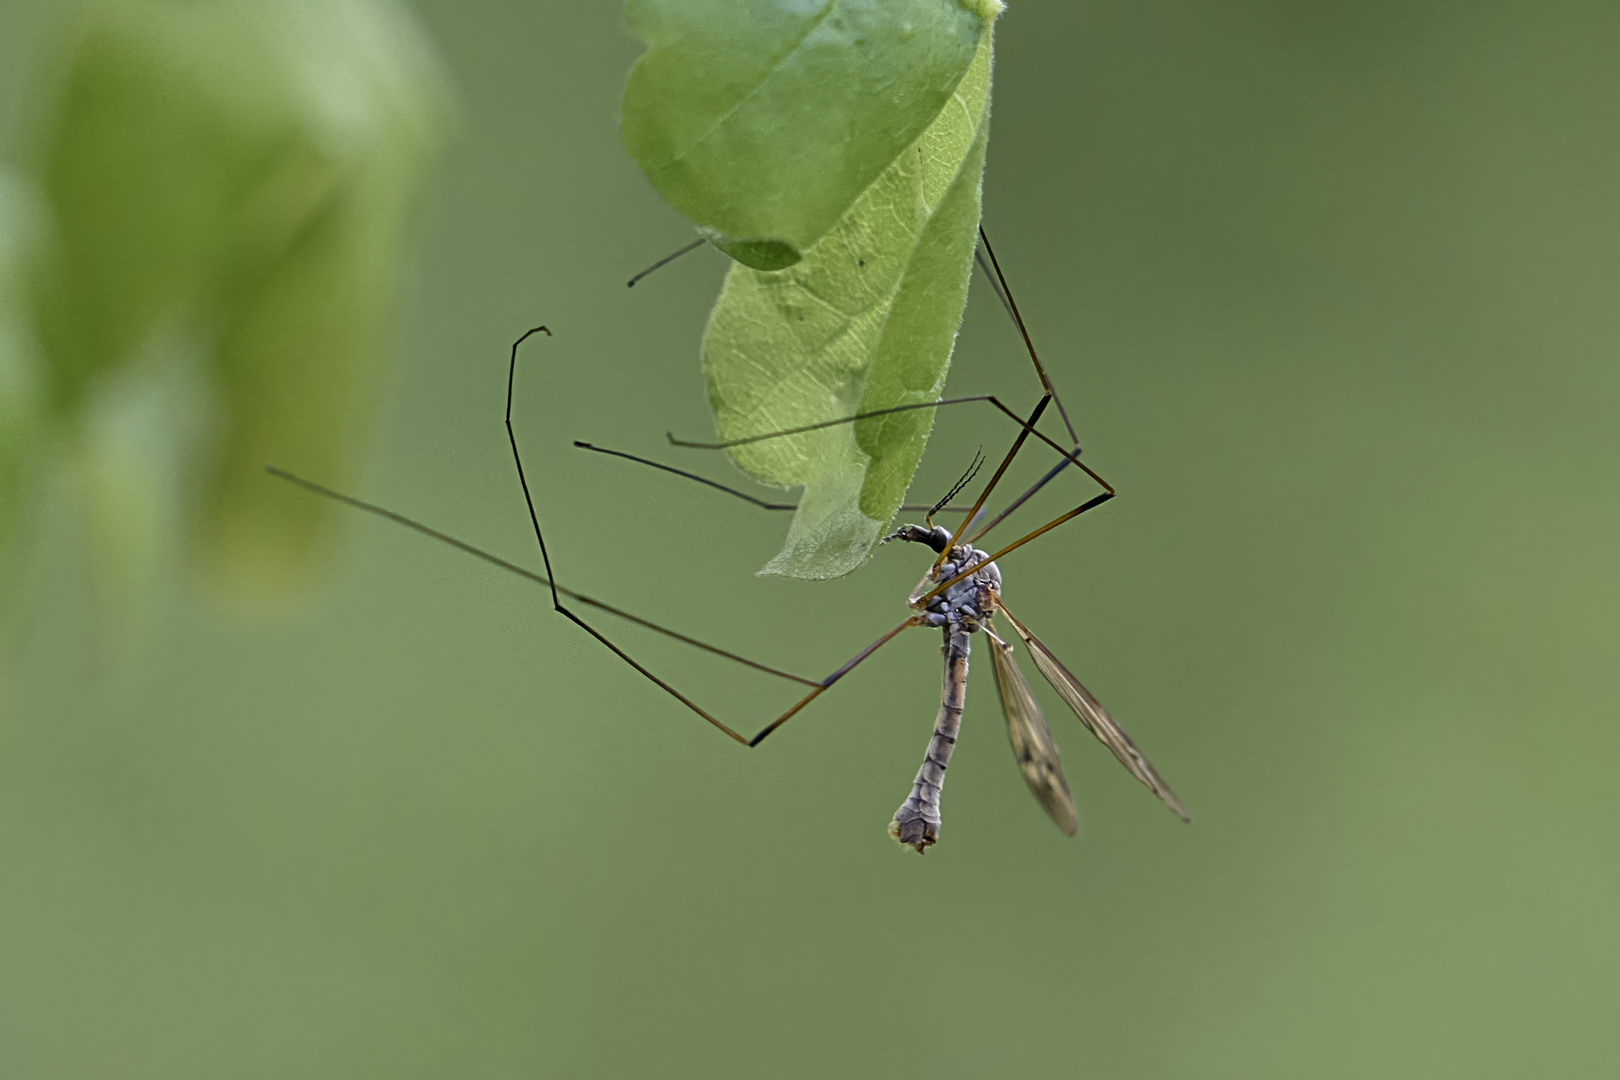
x=865, y=321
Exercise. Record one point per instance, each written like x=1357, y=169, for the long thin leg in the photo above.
x=1012, y=307
x=667, y=259
x=763, y=504
x=834, y=677
x=557, y=604
x=1003, y=291
x=995, y=286
x=819, y=685
x=991, y=398
x=998, y=283
x=1089, y=504
x=511, y=377
x=729, y=443
x=496, y=560
x=1022, y=499
x=1028, y=426
x=1018, y=444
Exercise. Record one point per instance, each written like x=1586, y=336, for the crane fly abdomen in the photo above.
x=958, y=611
x=916, y=823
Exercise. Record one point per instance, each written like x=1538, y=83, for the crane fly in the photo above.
x=960, y=595
x=969, y=603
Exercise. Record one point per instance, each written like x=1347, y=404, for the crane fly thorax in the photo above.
x=965, y=603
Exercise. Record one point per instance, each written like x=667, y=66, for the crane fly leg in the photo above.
x=818, y=686
x=557, y=592
x=763, y=504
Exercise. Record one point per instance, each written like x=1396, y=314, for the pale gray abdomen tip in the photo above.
x=912, y=830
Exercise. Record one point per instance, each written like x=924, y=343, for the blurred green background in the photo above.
x=1331, y=292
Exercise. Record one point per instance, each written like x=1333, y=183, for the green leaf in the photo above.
x=23, y=418
x=762, y=121
x=866, y=321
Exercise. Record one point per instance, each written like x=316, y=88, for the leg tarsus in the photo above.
x=667, y=259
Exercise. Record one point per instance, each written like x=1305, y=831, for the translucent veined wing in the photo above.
x=1032, y=742
x=1093, y=715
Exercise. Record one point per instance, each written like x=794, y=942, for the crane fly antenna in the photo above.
x=666, y=260
x=956, y=489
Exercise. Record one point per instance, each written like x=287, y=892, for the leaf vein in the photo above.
x=764, y=78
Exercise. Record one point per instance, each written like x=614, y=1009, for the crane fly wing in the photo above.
x=1032, y=742
x=1093, y=715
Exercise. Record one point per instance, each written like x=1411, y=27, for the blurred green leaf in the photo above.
x=124, y=468
x=22, y=399
x=762, y=121
x=240, y=176
x=866, y=321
